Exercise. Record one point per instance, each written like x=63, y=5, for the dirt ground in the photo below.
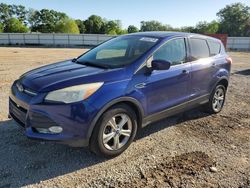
x=193, y=149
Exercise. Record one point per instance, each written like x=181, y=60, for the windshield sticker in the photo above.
x=148, y=39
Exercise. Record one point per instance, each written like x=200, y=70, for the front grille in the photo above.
x=17, y=113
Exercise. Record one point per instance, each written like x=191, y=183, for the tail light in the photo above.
x=229, y=60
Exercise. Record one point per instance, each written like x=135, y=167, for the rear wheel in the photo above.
x=114, y=131
x=217, y=99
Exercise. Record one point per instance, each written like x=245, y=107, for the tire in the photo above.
x=110, y=138
x=215, y=105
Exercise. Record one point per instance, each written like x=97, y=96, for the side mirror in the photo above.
x=160, y=65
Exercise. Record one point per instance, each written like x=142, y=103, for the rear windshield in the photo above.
x=118, y=52
x=214, y=46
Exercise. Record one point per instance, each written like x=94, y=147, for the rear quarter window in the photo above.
x=215, y=47
x=199, y=48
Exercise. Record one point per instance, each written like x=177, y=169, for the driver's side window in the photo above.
x=173, y=51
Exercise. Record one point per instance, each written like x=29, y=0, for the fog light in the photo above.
x=56, y=129
x=51, y=130
x=42, y=130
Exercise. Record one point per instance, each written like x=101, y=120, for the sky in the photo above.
x=177, y=13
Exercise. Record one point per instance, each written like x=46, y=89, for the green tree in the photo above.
x=122, y=32
x=213, y=27
x=1, y=27
x=132, y=29
x=67, y=26
x=113, y=27
x=188, y=29
x=235, y=20
x=95, y=24
x=81, y=26
x=20, y=13
x=13, y=11
x=14, y=25
x=45, y=20
x=207, y=28
x=6, y=12
x=33, y=17
x=154, y=26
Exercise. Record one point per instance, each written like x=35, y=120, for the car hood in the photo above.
x=65, y=74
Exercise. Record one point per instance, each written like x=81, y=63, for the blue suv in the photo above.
x=102, y=98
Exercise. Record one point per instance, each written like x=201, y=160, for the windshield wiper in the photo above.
x=74, y=60
x=88, y=63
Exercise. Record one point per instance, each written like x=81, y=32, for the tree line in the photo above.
x=233, y=20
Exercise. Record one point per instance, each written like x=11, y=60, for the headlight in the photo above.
x=74, y=93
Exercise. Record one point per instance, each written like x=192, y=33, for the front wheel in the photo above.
x=217, y=100
x=114, y=131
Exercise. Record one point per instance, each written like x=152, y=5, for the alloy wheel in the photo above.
x=218, y=100
x=117, y=132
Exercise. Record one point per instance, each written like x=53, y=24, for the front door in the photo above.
x=168, y=88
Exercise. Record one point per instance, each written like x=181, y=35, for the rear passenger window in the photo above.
x=173, y=51
x=214, y=47
x=199, y=48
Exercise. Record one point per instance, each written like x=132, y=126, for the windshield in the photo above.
x=118, y=52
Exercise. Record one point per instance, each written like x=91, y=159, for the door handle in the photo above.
x=140, y=85
x=185, y=72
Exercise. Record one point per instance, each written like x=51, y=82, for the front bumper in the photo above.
x=75, y=119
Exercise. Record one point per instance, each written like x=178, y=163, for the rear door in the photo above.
x=203, y=67
x=218, y=59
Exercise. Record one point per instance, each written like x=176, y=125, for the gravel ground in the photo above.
x=192, y=149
